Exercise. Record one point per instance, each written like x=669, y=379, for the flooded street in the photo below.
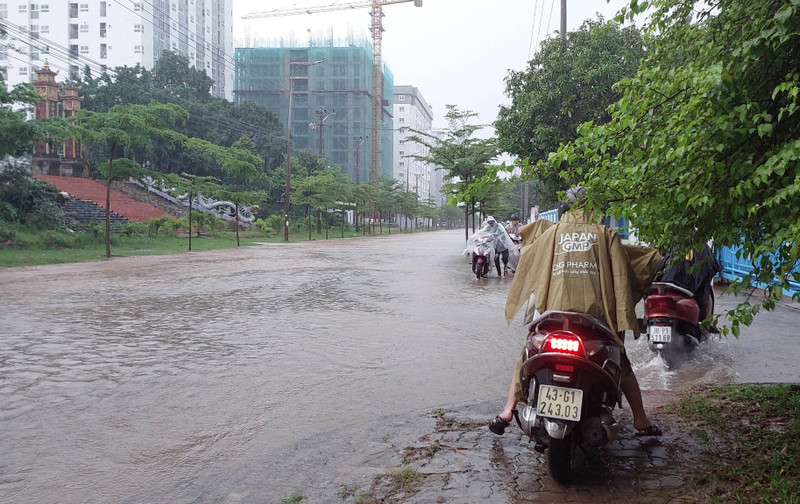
x=248, y=375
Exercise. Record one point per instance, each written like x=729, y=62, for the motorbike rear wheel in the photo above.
x=559, y=458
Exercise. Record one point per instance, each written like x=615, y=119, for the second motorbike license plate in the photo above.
x=560, y=402
x=660, y=334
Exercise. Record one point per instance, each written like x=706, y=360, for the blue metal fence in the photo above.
x=737, y=267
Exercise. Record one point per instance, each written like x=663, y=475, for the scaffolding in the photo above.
x=331, y=101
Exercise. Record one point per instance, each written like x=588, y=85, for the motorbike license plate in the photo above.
x=660, y=334
x=559, y=402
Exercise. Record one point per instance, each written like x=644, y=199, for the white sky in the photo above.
x=455, y=51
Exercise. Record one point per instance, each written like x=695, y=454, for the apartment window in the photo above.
x=137, y=49
x=44, y=28
x=137, y=6
x=3, y=11
x=23, y=8
x=402, y=152
x=103, y=69
x=102, y=9
x=73, y=31
x=84, y=49
x=23, y=70
x=73, y=10
x=402, y=109
x=73, y=50
x=402, y=119
x=34, y=11
x=34, y=28
x=401, y=98
x=85, y=28
x=103, y=51
x=102, y=30
x=73, y=72
x=137, y=28
x=84, y=7
x=34, y=53
x=402, y=163
x=3, y=56
x=44, y=8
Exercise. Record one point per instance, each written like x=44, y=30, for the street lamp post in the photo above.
x=289, y=144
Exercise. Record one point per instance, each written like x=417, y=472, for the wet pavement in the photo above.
x=255, y=374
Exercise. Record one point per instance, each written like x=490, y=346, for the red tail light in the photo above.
x=659, y=303
x=480, y=259
x=563, y=343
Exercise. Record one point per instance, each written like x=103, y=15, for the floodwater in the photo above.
x=231, y=376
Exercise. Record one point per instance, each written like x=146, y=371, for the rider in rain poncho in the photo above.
x=503, y=246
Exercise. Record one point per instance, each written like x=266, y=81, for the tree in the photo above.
x=173, y=73
x=462, y=157
x=121, y=131
x=704, y=142
x=321, y=191
x=568, y=82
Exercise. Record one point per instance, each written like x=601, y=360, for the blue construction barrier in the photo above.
x=737, y=267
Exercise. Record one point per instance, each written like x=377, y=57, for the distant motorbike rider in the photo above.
x=502, y=244
x=576, y=265
x=694, y=272
x=513, y=227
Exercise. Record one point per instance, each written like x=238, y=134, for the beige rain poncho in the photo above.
x=578, y=266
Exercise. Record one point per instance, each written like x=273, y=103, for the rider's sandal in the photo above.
x=650, y=430
x=498, y=425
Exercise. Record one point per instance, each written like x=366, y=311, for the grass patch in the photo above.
x=25, y=248
x=295, y=498
x=754, y=453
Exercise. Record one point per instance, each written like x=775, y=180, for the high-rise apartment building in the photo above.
x=105, y=34
x=412, y=112
x=329, y=88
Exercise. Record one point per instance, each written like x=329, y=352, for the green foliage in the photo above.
x=568, y=82
x=155, y=225
x=275, y=221
x=27, y=200
x=704, y=141
x=134, y=228
x=262, y=226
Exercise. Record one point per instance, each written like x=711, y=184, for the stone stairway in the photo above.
x=92, y=191
x=82, y=213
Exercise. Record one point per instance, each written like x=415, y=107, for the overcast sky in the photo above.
x=455, y=51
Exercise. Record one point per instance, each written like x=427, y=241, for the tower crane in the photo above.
x=376, y=28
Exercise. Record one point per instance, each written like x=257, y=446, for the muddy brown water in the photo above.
x=254, y=374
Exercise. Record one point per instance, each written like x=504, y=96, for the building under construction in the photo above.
x=330, y=88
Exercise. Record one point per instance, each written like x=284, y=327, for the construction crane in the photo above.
x=376, y=27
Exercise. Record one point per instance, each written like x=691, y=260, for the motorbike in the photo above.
x=481, y=248
x=571, y=376
x=672, y=322
x=483, y=258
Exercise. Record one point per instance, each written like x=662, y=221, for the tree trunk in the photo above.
x=190, y=220
x=466, y=221
x=108, y=214
x=236, y=220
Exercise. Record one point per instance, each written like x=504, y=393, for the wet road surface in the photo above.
x=253, y=374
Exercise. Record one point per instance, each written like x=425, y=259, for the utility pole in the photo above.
x=287, y=206
x=359, y=140
x=321, y=116
x=563, y=19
